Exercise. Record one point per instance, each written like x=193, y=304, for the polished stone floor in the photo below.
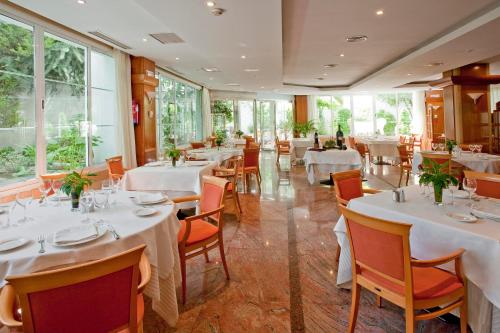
x=281, y=258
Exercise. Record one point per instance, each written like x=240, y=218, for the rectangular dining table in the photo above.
x=158, y=232
x=319, y=163
x=435, y=234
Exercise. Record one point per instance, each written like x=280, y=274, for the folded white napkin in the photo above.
x=196, y=163
x=75, y=234
x=490, y=212
x=145, y=198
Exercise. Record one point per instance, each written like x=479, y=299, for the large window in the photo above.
x=246, y=121
x=179, y=117
x=284, y=120
x=332, y=112
x=223, y=114
x=74, y=133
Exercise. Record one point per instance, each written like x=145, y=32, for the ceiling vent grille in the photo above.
x=109, y=39
x=167, y=38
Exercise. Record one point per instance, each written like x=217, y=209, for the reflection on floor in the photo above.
x=281, y=258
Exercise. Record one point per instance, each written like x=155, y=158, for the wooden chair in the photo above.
x=282, y=148
x=115, y=167
x=49, y=178
x=405, y=163
x=197, y=144
x=248, y=141
x=348, y=185
x=352, y=142
x=488, y=184
x=382, y=264
x=230, y=171
x=439, y=158
x=417, y=141
x=250, y=166
x=203, y=232
x=98, y=296
x=363, y=151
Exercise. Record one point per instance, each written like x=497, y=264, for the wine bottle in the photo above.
x=340, y=137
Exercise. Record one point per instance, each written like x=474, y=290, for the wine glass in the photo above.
x=106, y=185
x=24, y=202
x=472, y=148
x=470, y=186
x=101, y=199
x=441, y=146
x=86, y=201
x=434, y=146
x=45, y=188
x=56, y=187
x=479, y=148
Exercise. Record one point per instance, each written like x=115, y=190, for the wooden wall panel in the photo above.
x=144, y=86
x=300, y=108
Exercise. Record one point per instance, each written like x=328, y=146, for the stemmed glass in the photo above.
x=86, y=201
x=45, y=188
x=101, y=199
x=24, y=202
x=434, y=146
x=479, y=148
x=56, y=187
x=441, y=146
x=470, y=186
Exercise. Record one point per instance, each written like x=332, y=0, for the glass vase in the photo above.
x=438, y=195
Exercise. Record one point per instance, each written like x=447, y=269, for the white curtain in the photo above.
x=418, y=101
x=494, y=95
x=312, y=111
x=125, y=128
x=206, y=112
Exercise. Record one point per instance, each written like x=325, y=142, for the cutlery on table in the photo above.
x=41, y=240
x=110, y=228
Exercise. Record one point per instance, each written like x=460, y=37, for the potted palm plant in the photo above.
x=433, y=174
x=73, y=185
x=304, y=128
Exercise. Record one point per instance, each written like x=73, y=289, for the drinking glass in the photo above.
x=479, y=148
x=117, y=184
x=106, y=185
x=56, y=187
x=434, y=146
x=86, y=201
x=452, y=188
x=470, y=186
x=24, y=203
x=472, y=148
x=45, y=189
x=441, y=146
x=101, y=199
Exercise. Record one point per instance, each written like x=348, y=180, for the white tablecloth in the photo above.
x=324, y=162
x=433, y=235
x=167, y=178
x=214, y=154
x=158, y=232
x=298, y=147
x=381, y=146
x=481, y=163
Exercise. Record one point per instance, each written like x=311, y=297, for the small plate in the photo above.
x=467, y=218
x=142, y=212
x=12, y=243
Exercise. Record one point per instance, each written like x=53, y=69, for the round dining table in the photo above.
x=158, y=232
x=479, y=162
x=215, y=154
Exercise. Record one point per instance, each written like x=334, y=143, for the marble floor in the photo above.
x=281, y=258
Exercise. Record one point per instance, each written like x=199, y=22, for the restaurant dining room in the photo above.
x=231, y=166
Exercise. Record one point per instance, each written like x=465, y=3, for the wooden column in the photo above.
x=300, y=114
x=144, y=86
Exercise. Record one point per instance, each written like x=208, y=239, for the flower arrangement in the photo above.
x=220, y=136
x=450, y=144
x=73, y=185
x=174, y=154
x=433, y=174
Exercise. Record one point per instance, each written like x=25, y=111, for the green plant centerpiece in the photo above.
x=73, y=185
x=433, y=174
x=174, y=154
x=220, y=136
x=329, y=144
x=239, y=133
x=450, y=144
x=304, y=128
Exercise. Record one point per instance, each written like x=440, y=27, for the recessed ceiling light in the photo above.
x=341, y=54
x=81, y=2
x=476, y=67
x=330, y=65
x=325, y=74
x=251, y=69
x=210, y=3
x=177, y=58
x=356, y=38
x=380, y=12
x=232, y=84
x=409, y=74
x=434, y=64
x=211, y=78
x=243, y=57
x=210, y=69
x=262, y=87
x=144, y=39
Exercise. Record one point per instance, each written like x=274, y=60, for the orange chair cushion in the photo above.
x=200, y=230
x=350, y=188
x=428, y=282
x=140, y=312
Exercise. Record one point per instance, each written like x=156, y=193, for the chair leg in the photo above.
x=183, y=275
x=140, y=327
x=236, y=207
x=206, y=254
x=407, y=177
x=223, y=256
x=410, y=321
x=463, y=315
x=258, y=179
x=337, y=254
x=353, y=316
x=378, y=301
x=238, y=201
x=400, y=176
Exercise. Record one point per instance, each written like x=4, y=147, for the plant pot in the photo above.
x=75, y=201
x=438, y=195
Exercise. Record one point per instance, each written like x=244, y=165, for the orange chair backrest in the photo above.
x=248, y=141
x=115, y=166
x=212, y=193
x=251, y=157
x=379, y=247
x=361, y=148
x=352, y=142
x=404, y=156
x=439, y=158
x=348, y=184
x=197, y=145
x=100, y=296
x=488, y=184
x=52, y=177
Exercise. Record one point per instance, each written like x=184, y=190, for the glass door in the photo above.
x=246, y=120
x=266, y=124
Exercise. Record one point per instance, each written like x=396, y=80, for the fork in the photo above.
x=41, y=240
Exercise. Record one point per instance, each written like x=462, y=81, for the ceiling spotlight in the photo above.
x=342, y=55
x=211, y=69
x=476, y=67
x=243, y=57
x=409, y=74
x=81, y=2
x=144, y=39
x=325, y=74
x=330, y=65
x=218, y=11
x=232, y=84
x=380, y=12
x=356, y=38
x=177, y=58
x=434, y=64
x=211, y=78
x=251, y=69
x=262, y=87
x=210, y=3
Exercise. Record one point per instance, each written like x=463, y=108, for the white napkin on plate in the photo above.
x=76, y=234
x=145, y=198
x=490, y=212
x=196, y=163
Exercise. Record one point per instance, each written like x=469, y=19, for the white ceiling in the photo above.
x=290, y=44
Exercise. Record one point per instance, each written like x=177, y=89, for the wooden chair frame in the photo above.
x=245, y=173
x=231, y=174
x=438, y=156
x=215, y=216
x=448, y=302
x=22, y=285
x=405, y=162
x=115, y=176
x=282, y=148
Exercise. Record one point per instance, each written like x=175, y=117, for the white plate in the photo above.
x=467, y=218
x=460, y=194
x=152, y=202
x=12, y=243
x=197, y=163
x=141, y=212
x=101, y=231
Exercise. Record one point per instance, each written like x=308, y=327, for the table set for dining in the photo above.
x=215, y=154
x=55, y=236
x=322, y=162
x=480, y=162
x=436, y=231
x=381, y=146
